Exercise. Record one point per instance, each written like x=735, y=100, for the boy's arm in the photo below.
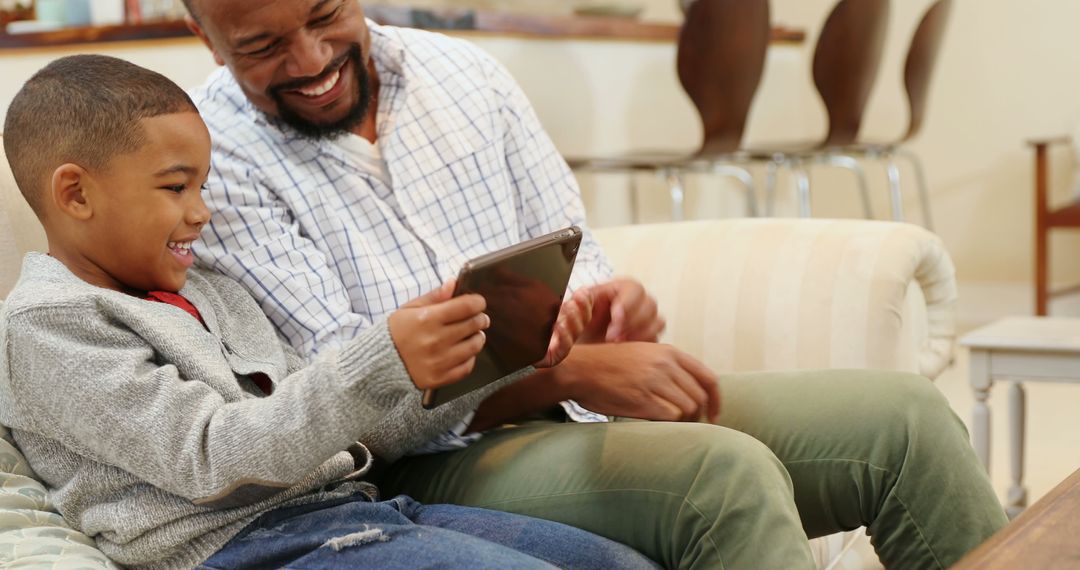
x=101, y=391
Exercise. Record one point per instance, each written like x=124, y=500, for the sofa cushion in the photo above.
x=32, y=534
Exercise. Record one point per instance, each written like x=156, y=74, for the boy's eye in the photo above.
x=174, y=188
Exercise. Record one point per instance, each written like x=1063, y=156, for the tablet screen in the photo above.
x=524, y=287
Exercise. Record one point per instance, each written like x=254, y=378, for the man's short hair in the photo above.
x=85, y=110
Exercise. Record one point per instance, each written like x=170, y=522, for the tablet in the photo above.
x=524, y=286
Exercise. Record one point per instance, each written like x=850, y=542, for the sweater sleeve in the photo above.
x=101, y=391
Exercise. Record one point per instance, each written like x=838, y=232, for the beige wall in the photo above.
x=1008, y=73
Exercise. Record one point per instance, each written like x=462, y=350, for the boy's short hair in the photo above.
x=85, y=110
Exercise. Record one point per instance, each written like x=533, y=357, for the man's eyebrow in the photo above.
x=248, y=40
x=181, y=168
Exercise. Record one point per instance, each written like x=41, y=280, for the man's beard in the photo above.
x=315, y=130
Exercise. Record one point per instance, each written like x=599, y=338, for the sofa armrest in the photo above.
x=781, y=294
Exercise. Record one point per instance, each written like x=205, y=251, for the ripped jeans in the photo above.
x=353, y=532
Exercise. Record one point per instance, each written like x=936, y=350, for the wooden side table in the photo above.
x=1043, y=537
x=1018, y=350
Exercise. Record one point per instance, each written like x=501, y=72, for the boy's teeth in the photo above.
x=324, y=87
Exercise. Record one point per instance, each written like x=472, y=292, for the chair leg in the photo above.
x=744, y=177
x=850, y=163
x=802, y=187
x=675, y=189
x=771, y=169
x=635, y=207
x=924, y=188
x=897, y=200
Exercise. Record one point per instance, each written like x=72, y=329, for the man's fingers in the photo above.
x=673, y=389
x=706, y=379
x=652, y=332
x=668, y=410
x=695, y=391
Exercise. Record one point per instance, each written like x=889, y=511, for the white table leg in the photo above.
x=1017, y=497
x=979, y=368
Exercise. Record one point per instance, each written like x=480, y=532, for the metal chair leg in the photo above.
x=744, y=177
x=924, y=188
x=675, y=189
x=897, y=200
x=802, y=186
x=771, y=169
x=635, y=207
x=850, y=163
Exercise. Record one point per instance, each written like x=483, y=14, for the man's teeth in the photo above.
x=181, y=246
x=324, y=87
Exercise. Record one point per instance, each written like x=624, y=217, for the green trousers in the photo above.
x=795, y=454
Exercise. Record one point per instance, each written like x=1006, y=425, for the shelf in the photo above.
x=493, y=22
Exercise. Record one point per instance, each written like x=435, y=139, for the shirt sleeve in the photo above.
x=548, y=194
x=255, y=239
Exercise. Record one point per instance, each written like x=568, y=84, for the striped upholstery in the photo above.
x=783, y=294
x=20, y=230
x=740, y=294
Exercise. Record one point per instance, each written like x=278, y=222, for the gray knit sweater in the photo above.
x=149, y=433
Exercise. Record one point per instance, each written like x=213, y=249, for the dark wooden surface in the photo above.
x=529, y=25
x=1046, y=536
x=1048, y=217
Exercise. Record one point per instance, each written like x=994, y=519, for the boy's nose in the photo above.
x=199, y=214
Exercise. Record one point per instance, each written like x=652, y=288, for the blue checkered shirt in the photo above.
x=328, y=247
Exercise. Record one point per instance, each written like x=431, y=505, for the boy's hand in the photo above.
x=439, y=336
x=574, y=315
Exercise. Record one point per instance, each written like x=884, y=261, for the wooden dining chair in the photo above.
x=845, y=67
x=1048, y=217
x=720, y=60
x=922, y=58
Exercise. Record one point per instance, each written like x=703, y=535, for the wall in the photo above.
x=1007, y=74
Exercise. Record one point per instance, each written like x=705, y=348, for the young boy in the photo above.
x=157, y=403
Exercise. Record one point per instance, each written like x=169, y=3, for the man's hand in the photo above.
x=641, y=380
x=573, y=316
x=439, y=336
x=623, y=311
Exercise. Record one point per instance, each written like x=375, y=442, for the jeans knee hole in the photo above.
x=366, y=536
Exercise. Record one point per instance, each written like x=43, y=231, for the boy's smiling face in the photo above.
x=141, y=214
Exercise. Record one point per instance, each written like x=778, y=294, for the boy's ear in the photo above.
x=196, y=29
x=67, y=190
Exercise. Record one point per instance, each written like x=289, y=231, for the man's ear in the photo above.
x=67, y=190
x=196, y=29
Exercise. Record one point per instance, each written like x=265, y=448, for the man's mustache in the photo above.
x=331, y=67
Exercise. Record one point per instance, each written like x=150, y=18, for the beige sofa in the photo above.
x=739, y=294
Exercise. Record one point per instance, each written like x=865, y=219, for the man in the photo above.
x=357, y=165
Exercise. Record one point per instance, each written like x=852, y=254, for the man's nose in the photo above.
x=308, y=55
